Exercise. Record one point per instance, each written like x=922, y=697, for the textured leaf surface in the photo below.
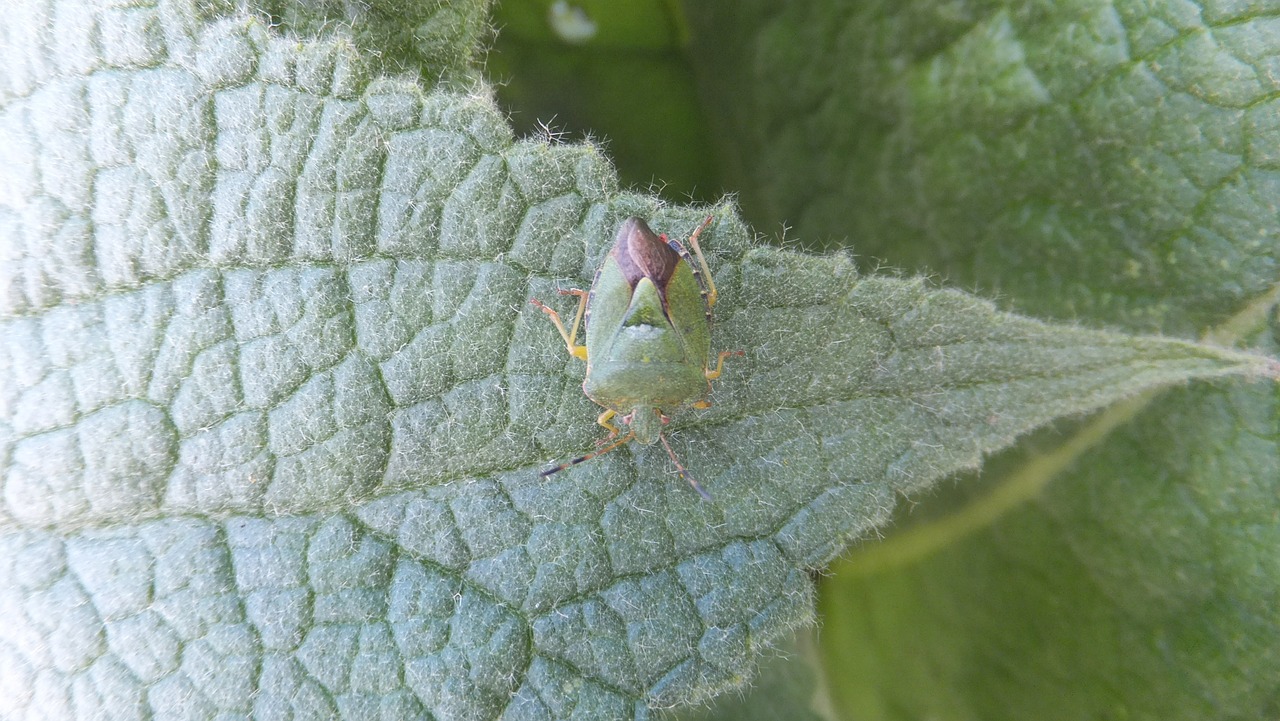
x=1146, y=581
x=1111, y=161
x=1088, y=159
x=273, y=401
x=786, y=686
x=440, y=39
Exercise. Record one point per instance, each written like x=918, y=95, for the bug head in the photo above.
x=646, y=427
x=647, y=420
x=646, y=424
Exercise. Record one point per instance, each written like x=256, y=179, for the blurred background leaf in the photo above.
x=618, y=73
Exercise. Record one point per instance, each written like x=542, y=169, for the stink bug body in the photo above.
x=648, y=337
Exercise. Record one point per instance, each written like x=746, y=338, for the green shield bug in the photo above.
x=648, y=337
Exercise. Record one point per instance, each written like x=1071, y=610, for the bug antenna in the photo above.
x=684, y=473
x=589, y=456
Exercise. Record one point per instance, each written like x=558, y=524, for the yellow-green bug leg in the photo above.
x=714, y=374
x=604, y=419
x=702, y=272
x=570, y=336
x=702, y=262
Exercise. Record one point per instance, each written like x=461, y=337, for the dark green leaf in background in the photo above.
x=623, y=80
x=1136, y=587
x=1084, y=159
x=1106, y=161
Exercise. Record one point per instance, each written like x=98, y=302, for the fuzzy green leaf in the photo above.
x=787, y=686
x=274, y=401
x=1104, y=160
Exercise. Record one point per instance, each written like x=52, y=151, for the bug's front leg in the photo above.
x=701, y=271
x=604, y=420
x=570, y=336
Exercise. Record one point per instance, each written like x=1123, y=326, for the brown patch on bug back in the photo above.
x=641, y=253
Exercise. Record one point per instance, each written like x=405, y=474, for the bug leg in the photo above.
x=589, y=456
x=714, y=374
x=702, y=261
x=702, y=272
x=604, y=421
x=684, y=472
x=570, y=337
